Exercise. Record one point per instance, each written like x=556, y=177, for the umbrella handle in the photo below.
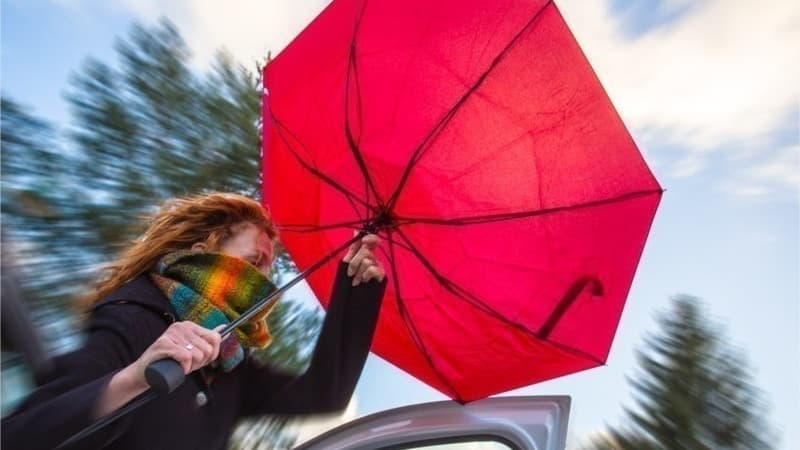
x=164, y=376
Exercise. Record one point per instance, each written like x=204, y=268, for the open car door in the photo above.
x=516, y=423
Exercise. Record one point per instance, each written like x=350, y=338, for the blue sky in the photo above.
x=709, y=91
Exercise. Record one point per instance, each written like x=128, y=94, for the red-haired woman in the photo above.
x=201, y=262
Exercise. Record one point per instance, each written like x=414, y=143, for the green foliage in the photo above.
x=144, y=130
x=153, y=130
x=263, y=434
x=293, y=327
x=155, y=118
x=694, y=392
x=38, y=204
x=141, y=133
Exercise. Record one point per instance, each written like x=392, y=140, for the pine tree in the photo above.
x=693, y=391
x=143, y=130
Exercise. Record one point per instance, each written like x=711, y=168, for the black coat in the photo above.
x=126, y=322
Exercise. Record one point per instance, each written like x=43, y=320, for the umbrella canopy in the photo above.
x=474, y=135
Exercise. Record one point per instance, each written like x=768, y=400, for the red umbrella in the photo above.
x=474, y=135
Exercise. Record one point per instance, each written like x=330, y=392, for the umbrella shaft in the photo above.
x=273, y=297
x=139, y=401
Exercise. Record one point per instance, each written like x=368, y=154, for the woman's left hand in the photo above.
x=362, y=264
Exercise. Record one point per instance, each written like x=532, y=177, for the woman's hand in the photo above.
x=362, y=264
x=191, y=345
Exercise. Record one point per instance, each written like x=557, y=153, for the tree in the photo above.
x=693, y=392
x=34, y=197
x=153, y=129
x=144, y=130
x=150, y=130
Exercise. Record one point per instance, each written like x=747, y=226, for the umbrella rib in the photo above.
x=351, y=141
x=314, y=171
x=418, y=152
x=490, y=218
x=472, y=300
x=455, y=289
x=412, y=329
x=309, y=228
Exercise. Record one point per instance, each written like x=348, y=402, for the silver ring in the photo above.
x=188, y=346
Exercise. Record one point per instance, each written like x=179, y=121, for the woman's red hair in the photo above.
x=177, y=225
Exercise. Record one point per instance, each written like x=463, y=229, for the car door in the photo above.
x=516, y=423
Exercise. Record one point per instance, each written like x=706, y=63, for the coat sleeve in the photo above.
x=65, y=404
x=337, y=361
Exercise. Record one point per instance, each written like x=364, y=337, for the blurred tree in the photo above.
x=694, y=392
x=27, y=148
x=147, y=131
x=144, y=130
x=36, y=201
x=263, y=434
x=291, y=325
x=153, y=130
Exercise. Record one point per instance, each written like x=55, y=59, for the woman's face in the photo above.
x=250, y=243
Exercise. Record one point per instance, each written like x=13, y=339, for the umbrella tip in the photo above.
x=383, y=220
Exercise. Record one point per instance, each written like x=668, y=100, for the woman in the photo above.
x=202, y=261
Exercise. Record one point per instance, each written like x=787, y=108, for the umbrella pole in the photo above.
x=255, y=309
x=165, y=375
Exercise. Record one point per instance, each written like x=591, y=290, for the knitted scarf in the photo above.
x=212, y=289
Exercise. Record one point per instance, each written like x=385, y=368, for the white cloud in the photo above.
x=246, y=28
x=688, y=166
x=778, y=172
x=723, y=76
x=746, y=188
x=783, y=169
x=726, y=70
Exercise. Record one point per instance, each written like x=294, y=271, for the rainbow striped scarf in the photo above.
x=211, y=289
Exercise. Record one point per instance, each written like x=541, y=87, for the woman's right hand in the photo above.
x=191, y=345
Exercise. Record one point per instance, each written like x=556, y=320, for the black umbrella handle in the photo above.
x=166, y=375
